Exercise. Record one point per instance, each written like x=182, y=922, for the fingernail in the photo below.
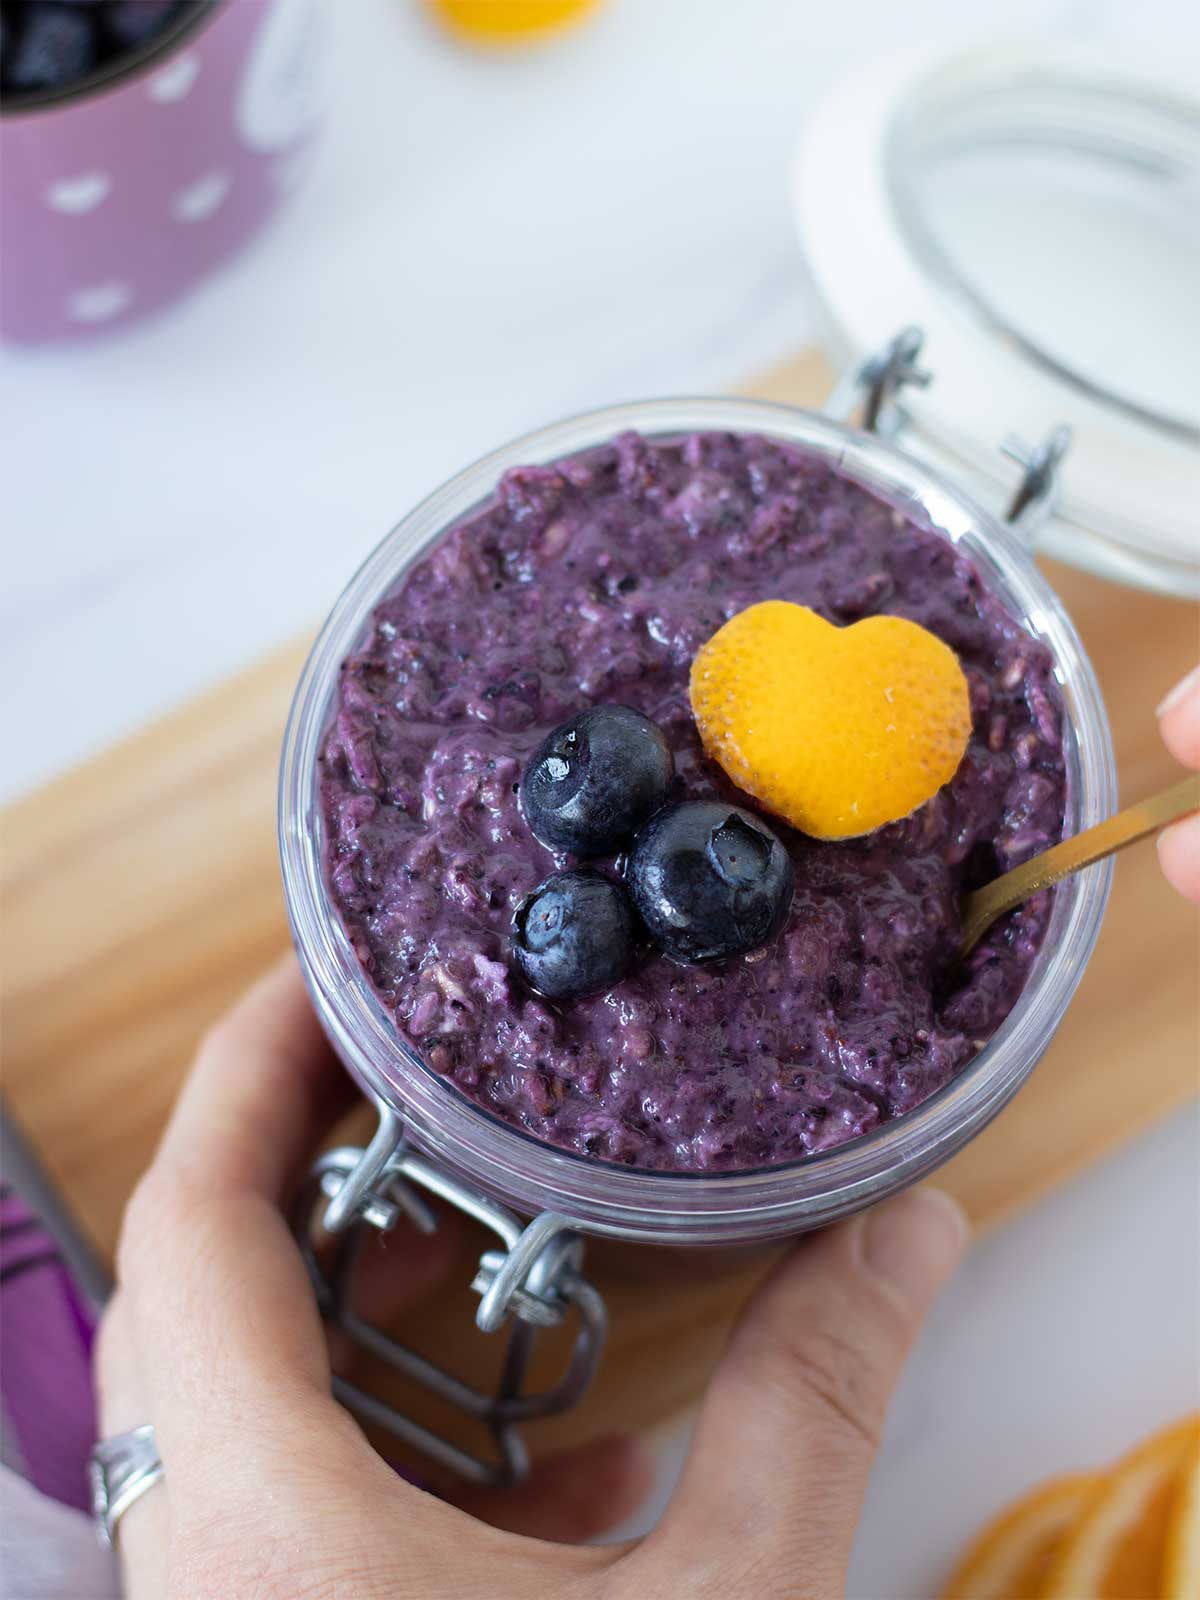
x=1180, y=692
x=915, y=1240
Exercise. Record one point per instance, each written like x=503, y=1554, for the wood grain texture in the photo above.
x=140, y=893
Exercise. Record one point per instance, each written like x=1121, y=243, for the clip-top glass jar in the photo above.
x=432, y=1135
x=1034, y=208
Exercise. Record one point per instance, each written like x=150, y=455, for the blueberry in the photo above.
x=55, y=45
x=574, y=934
x=709, y=880
x=596, y=779
x=132, y=22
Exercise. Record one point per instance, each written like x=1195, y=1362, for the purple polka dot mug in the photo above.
x=120, y=191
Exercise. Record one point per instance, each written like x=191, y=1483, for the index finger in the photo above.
x=1179, y=719
x=264, y=1087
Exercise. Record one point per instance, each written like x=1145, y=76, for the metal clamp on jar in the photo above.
x=534, y=1279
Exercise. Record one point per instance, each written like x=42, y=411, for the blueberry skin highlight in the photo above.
x=709, y=880
x=574, y=935
x=591, y=784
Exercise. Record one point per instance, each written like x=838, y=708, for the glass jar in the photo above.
x=1033, y=208
x=533, y=1179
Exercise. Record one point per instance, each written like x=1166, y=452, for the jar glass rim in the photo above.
x=601, y=1197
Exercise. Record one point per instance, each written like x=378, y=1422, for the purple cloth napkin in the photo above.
x=46, y=1332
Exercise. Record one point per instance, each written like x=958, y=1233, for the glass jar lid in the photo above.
x=1036, y=212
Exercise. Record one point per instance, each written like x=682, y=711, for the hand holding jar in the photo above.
x=270, y=1488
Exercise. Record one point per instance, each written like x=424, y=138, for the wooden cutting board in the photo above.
x=140, y=893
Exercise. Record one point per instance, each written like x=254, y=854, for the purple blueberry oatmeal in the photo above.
x=592, y=582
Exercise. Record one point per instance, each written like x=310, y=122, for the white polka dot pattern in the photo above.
x=175, y=81
x=200, y=200
x=100, y=302
x=79, y=194
x=123, y=198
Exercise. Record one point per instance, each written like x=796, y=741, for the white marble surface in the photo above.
x=485, y=244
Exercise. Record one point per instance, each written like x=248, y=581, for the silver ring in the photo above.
x=120, y=1470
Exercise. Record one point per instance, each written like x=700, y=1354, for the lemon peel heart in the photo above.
x=837, y=730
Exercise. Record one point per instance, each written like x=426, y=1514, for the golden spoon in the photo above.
x=984, y=905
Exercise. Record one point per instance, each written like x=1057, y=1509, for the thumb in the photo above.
x=793, y=1417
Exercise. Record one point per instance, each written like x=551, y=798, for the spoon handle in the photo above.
x=984, y=905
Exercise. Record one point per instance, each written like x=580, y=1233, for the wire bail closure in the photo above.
x=534, y=1279
x=1033, y=499
x=872, y=389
